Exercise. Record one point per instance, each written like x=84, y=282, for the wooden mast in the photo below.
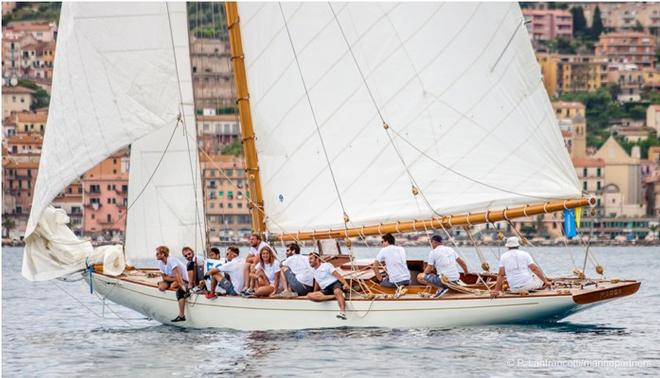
x=439, y=222
x=243, y=101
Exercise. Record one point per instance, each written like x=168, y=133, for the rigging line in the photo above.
x=318, y=130
x=232, y=183
x=185, y=126
x=373, y=99
x=153, y=173
x=423, y=153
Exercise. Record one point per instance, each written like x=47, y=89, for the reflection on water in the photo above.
x=46, y=333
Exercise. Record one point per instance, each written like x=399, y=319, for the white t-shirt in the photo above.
x=255, y=251
x=300, y=268
x=323, y=275
x=516, y=267
x=395, y=263
x=270, y=270
x=235, y=269
x=173, y=262
x=444, y=260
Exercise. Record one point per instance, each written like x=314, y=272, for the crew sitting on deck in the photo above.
x=195, y=267
x=228, y=276
x=297, y=276
x=444, y=260
x=517, y=265
x=266, y=274
x=252, y=259
x=330, y=282
x=174, y=277
x=394, y=258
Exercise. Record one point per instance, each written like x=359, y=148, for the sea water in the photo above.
x=59, y=329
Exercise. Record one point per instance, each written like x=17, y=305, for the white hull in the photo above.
x=287, y=314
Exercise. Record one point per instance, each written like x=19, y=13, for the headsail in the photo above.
x=470, y=125
x=115, y=81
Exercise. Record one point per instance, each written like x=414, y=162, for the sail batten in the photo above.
x=461, y=91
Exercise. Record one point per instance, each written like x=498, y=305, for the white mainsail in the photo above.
x=458, y=84
x=116, y=82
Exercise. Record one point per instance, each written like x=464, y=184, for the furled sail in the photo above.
x=115, y=81
x=470, y=125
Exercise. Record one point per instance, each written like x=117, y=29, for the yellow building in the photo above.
x=573, y=124
x=622, y=193
x=16, y=99
x=31, y=122
x=564, y=73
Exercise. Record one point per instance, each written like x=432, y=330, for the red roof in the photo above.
x=588, y=162
x=16, y=90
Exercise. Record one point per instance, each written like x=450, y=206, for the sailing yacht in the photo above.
x=358, y=119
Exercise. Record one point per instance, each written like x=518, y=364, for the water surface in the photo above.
x=59, y=329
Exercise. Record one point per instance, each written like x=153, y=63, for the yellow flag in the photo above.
x=578, y=215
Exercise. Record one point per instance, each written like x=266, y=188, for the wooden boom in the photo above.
x=440, y=222
x=243, y=101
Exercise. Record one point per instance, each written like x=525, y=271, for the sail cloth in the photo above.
x=115, y=81
x=457, y=83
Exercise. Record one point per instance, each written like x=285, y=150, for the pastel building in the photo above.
x=627, y=48
x=15, y=100
x=622, y=194
x=573, y=124
x=547, y=24
x=105, y=198
x=226, y=196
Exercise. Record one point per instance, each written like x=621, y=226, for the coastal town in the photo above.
x=598, y=63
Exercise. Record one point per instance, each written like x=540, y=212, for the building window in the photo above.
x=109, y=217
x=598, y=172
x=598, y=185
x=584, y=172
x=584, y=185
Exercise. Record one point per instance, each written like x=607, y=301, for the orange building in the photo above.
x=105, y=197
x=227, y=211
x=628, y=47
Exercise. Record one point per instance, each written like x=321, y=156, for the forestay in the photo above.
x=115, y=81
x=457, y=83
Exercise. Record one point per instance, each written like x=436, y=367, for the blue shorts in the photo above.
x=295, y=285
x=434, y=279
x=386, y=283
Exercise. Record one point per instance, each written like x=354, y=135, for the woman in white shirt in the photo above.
x=266, y=273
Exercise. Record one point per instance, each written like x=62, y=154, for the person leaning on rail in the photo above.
x=175, y=276
x=517, y=266
x=296, y=274
x=330, y=283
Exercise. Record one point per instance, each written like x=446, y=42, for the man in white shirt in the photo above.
x=229, y=276
x=252, y=259
x=517, y=266
x=174, y=276
x=443, y=259
x=396, y=266
x=297, y=274
x=331, y=284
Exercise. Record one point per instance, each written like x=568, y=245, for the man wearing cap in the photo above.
x=518, y=266
x=444, y=260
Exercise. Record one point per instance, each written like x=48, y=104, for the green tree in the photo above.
x=597, y=24
x=579, y=21
x=41, y=97
x=638, y=26
x=235, y=149
x=8, y=224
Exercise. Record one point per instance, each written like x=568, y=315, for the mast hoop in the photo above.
x=545, y=207
x=448, y=221
x=525, y=210
x=506, y=217
x=565, y=208
x=467, y=220
x=398, y=223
